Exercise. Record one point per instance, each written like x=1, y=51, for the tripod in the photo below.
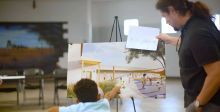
x=117, y=28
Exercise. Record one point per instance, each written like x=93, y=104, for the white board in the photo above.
x=143, y=38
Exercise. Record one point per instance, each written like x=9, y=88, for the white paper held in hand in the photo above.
x=142, y=38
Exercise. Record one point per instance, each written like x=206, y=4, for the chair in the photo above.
x=60, y=82
x=10, y=85
x=34, y=79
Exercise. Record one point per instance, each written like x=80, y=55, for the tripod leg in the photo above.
x=132, y=98
x=119, y=31
x=112, y=31
x=117, y=104
x=116, y=30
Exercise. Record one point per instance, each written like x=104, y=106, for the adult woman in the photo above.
x=199, y=52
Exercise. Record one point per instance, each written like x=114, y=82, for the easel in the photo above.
x=117, y=28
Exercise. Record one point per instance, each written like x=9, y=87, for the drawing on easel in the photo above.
x=141, y=72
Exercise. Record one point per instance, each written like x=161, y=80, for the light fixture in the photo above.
x=34, y=4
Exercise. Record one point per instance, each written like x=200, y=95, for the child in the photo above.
x=88, y=99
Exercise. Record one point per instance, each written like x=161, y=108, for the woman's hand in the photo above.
x=168, y=39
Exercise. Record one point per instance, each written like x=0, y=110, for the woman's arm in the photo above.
x=212, y=82
x=169, y=39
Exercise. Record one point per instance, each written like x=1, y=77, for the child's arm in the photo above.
x=111, y=94
x=54, y=109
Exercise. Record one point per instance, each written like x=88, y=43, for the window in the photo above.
x=216, y=20
x=128, y=23
x=166, y=28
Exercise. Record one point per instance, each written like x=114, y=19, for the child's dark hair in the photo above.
x=86, y=90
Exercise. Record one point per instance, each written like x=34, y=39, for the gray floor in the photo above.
x=172, y=103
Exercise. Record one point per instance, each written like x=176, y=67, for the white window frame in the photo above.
x=166, y=28
x=216, y=20
x=128, y=23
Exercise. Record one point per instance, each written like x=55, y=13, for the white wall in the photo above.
x=103, y=12
x=103, y=15
x=72, y=11
x=144, y=10
x=92, y=18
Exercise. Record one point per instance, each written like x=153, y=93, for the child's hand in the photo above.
x=119, y=84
